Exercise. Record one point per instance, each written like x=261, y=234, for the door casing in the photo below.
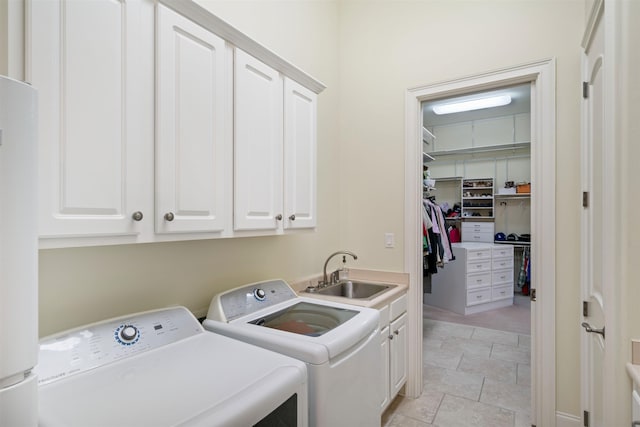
x=541, y=75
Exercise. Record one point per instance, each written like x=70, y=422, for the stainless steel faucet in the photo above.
x=325, y=279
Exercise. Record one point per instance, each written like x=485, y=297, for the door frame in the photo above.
x=542, y=77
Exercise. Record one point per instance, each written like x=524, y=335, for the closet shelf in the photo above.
x=513, y=243
x=513, y=196
x=475, y=150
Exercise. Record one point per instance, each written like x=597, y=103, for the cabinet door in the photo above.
x=384, y=352
x=92, y=63
x=193, y=151
x=398, y=330
x=258, y=145
x=299, y=156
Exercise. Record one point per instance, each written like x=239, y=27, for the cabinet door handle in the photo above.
x=292, y=217
x=587, y=327
x=390, y=337
x=396, y=332
x=169, y=216
x=137, y=216
x=279, y=217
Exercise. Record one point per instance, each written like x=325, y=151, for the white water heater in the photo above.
x=18, y=254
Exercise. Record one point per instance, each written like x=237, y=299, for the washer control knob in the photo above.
x=260, y=294
x=128, y=333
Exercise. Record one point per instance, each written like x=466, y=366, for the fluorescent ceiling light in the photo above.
x=474, y=104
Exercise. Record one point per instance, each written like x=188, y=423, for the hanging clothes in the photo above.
x=524, y=277
x=440, y=229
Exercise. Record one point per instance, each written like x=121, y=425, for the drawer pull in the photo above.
x=478, y=296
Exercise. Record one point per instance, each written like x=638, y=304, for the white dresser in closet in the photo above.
x=479, y=279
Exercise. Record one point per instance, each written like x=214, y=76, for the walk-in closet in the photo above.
x=477, y=203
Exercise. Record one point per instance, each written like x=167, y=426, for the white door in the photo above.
x=299, y=156
x=258, y=145
x=192, y=150
x=92, y=63
x=594, y=227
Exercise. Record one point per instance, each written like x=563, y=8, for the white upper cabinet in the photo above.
x=159, y=122
x=193, y=146
x=300, y=105
x=258, y=145
x=92, y=63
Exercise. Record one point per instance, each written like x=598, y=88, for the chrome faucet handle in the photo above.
x=334, y=278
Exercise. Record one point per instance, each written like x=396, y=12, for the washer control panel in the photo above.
x=89, y=347
x=126, y=334
x=251, y=298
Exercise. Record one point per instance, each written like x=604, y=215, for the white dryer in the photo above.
x=338, y=342
x=160, y=368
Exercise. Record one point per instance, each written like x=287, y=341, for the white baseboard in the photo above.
x=567, y=420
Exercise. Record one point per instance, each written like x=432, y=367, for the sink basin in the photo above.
x=354, y=290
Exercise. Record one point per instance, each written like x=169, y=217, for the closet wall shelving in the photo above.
x=477, y=198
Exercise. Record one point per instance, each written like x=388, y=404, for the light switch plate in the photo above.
x=635, y=352
x=389, y=240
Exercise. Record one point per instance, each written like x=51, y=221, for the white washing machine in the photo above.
x=338, y=342
x=160, y=368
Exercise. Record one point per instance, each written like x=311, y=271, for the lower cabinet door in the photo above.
x=398, y=354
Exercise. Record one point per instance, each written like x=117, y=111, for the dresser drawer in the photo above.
x=478, y=280
x=478, y=266
x=501, y=292
x=398, y=307
x=502, y=251
x=502, y=263
x=477, y=232
x=474, y=255
x=384, y=317
x=477, y=236
x=478, y=296
x=502, y=277
x=486, y=227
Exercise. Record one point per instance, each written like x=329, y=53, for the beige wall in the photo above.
x=367, y=53
x=389, y=46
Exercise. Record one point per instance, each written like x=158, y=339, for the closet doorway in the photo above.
x=539, y=78
x=477, y=188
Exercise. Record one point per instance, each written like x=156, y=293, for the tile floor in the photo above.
x=473, y=376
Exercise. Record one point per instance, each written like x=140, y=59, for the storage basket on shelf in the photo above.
x=523, y=188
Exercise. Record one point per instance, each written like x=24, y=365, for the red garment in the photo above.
x=454, y=235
